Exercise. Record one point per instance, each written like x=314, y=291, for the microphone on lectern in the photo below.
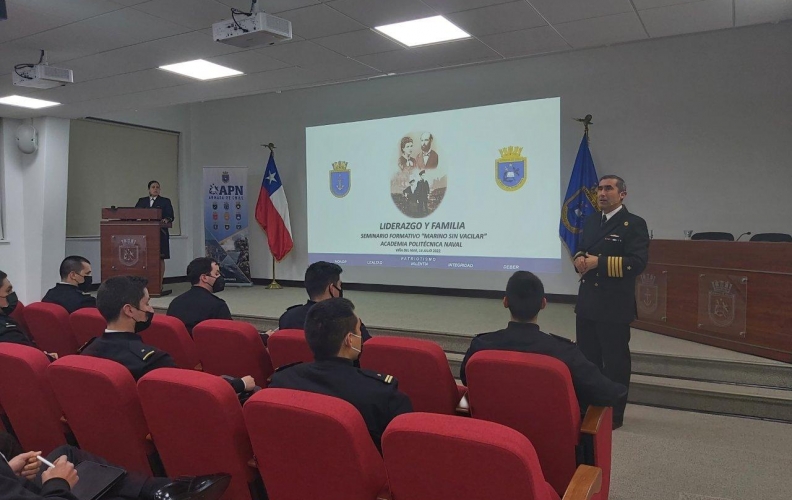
x=748, y=233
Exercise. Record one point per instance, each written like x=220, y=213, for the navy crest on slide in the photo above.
x=511, y=169
x=340, y=179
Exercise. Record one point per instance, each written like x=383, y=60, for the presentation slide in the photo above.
x=468, y=189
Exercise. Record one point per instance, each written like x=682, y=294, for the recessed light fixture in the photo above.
x=27, y=102
x=200, y=69
x=423, y=31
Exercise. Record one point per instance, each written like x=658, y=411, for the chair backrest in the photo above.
x=534, y=395
x=772, y=237
x=197, y=426
x=312, y=446
x=232, y=348
x=170, y=335
x=429, y=456
x=49, y=326
x=27, y=398
x=100, y=400
x=19, y=316
x=289, y=346
x=87, y=323
x=713, y=236
x=420, y=366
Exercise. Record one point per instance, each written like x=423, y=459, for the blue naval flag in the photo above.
x=581, y=198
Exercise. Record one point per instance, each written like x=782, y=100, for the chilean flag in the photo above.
x=272, y=212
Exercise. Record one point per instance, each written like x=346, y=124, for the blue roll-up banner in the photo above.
x=226, y=228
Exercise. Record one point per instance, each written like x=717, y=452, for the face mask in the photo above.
x=359, y=351
x=142, y=325
x=340, y=291
x=218, y=285
x=12, y=303
x=85, y=285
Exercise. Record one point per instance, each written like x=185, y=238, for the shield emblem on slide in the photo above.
x=340, y=179
x=511, y=169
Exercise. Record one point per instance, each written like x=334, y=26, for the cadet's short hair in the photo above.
x=72, y=263
x=117, y=292
x=326, y=325
x=199, y=267
x=524, y=292
x=3, y=276
x=319, y=276
x=620, y=184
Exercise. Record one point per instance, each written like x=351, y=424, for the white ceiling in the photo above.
x=115, y=46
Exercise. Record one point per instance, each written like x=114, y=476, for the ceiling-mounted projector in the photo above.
x=253, y=30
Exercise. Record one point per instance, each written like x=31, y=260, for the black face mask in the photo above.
x=12, y=303
x=142, y=325
x=218, y=285
x=85, y=286
x=340, y=291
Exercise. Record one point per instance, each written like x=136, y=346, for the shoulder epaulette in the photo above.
x=382, y=377
x=561, y=338
x=80, y=350
x=283, y=367
x=148, y=354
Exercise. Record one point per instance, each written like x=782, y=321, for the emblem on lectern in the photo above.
x=721, y=303
x=129, y=252
x=647, y=293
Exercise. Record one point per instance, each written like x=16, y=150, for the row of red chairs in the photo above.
x=505, y=387
x=302, y=445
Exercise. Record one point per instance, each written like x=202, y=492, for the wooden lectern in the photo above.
x=131, y=244
x=734, y=295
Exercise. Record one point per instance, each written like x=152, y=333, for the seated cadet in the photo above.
x=333, y=333
x=124, y=302
x=10, y=331
x=322, y=282
x=76, y=280
x=199, y=302
x=524, y=299
x=21, y=478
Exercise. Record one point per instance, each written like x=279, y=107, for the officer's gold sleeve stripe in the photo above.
x=621, y=267
x=147, y=355
x=610, y=266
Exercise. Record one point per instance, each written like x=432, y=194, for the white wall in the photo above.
x=177, y=119
x=35, y=207
x=698, y=126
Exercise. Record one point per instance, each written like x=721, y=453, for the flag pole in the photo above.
x=274, y=285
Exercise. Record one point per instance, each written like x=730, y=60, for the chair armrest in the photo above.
x=385, y=494
x=253, y=463
x=199, y=367
x=585, y=483
x=595, y=416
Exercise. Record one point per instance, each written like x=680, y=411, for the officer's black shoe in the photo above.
x=195, y=488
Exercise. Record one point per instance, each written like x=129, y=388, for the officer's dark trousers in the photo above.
x=132, y=486
x=607, y=345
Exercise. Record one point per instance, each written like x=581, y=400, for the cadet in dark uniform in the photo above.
x=10, y=331
x=76, y=280
x=322, y=282
x=154, y=200
x=614, y=249
x=121, y=341
x=22, y=478
x=333, y=332
x=199, y=303
x=524, y=299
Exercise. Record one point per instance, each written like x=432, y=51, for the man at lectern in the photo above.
x=154, y=200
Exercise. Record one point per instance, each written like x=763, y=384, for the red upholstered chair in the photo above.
x=196, y=423
x=100, y=400
x=27, y=398
x=87, y=323
x=533, y=394
x=431, y=456
x=232, y=348
x=313, y=446
x=19, y=316
x=289, y=346
x=170, y=335
x=420, y=366
x=49, y=326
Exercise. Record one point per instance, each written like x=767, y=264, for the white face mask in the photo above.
x=359, y=351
